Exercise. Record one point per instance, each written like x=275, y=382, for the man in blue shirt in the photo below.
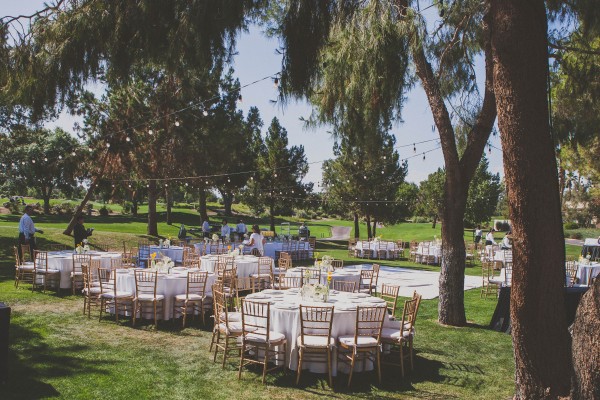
x=206, y=228
x=27, y=230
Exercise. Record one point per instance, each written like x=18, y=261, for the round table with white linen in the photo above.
x=285, y=319
x=375, y=246
x=168, y=285
x=337, y=275
x=433, y=250
x=245, y=265
x=584, y=270
x=63, y=261
x=175, y=253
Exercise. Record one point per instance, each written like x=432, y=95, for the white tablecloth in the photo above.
x=583, y=272
x=246, y=265
x=592, y=242
x=434, y=250
x=202, y=247
x=63, y=261
x=375, y=246
x=271, y=247
x=339, y=275
x=285, y=318
x=168, y=285
x=175, y=253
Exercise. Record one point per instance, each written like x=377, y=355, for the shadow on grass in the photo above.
x=32, y=361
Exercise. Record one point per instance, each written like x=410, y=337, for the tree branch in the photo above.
x=557, y=46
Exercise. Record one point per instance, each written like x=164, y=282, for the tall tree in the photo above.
x=354, y=58
x=278, y=183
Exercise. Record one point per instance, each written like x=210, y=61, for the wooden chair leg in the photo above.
x=266, y=359
x=401, y=359
x=378, y=355
x=243, y=351
x=299, y=366
x=351, y=368
x=329, y=367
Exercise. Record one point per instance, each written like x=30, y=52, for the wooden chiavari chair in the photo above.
x=146, y=283
x=77, y=272
x=382, y=250
x=403, y=334
x=344, y=286
x=91, y=293
x=365, y=342
x=571, y=268
x=24, y=271
x=315, y=343
x=192, y=260
x=352, y=248
x=337, y=264
x=48, y=275
x=102, y=246
x=257, y=338
x=366, y=281
x=390, y=294
x=375, y=269
x=263, y=278
x=194, y=297
x=489, y=281
x=225, y=332
x=367, y=252
x=290, y=282
x=26, y=255
x=110, y=296
x=314, y=275
x=414, y=251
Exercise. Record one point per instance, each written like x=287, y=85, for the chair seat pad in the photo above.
x=26, y=267
x=259, y=336
x=111, y=295
x=495, y=281
x=149, y=297
x=233, y=328
x=392, y=334
x=315, y=341
x=190, y=297
x=260, y=275
x=93, y=290
x=74, y=273
x=47, y=271
x=232, y=316
x=363, y=341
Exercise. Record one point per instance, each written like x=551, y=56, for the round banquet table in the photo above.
x=285, y=318
x=175, y=253
x=338, y=275
x=583, y=272
x=434, y=250
x=63, y=261
x=270, y=248
x=245, y=265
x=169, y=285
x=374, y=247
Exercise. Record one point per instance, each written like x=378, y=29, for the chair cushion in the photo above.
x=149, y=297
x=232, y=316
x=315, y=341
x=111, y=295
x=93, y=290
x=363, y=341
x=74, y=273
x=47, y=271
x=26, y=267
x=234, y=328
x=260, y=275
x=258, y=337
x=393, y=334
x=190, y=297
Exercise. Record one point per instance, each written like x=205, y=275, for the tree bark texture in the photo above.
x=459, y=172
x=369, y=235
x=586, y=346
x=375, y=228
x=356, y=226
x=88, y=195
x=227, y=202
x=169, y=206
x=540, y=337
x=202, y=206
x=272, y=216
x=46, y=198
x=152, y=229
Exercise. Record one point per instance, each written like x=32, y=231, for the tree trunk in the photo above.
x=368, y=218
x=134, y=205
x=540, y=337
x=451, y=306
x=586, y=351
x=434, y=223
x=87, y=197
x=169, y=206
x=152, y=216
x=227, y=202
x=356, y=226
x=46, y=198
x=202, y=206
x=375, y=228
x=272, y=216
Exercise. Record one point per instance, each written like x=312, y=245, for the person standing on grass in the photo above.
x=27, y=231
x=478, y=235
x=206, y=228
x=225, y=231
x=240, y=229
x=489, y=238
x=257, y=240
x=79, y=232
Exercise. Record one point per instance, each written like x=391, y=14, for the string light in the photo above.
x=176, y=123
x=423, y=156
x=128, y=139
x=205, y=113
x=150, y=132
x=240, y=100
x=414, y=148
x=276, y=82
x=107, y=145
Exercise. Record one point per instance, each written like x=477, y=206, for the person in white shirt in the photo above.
x=489, y=238
x=507, y=242
x=206, y=228
x=240, y=230
x=478, y=235
x=257, y=240
x=225, y=231
x=27, y=230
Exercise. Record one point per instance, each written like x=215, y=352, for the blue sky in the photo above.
x=257, y=58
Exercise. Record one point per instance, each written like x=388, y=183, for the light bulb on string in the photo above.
x=275, y=175
x=414, y=147
x=240, y=100
x=33, y=161
x=150, y=132
x=176, y=123
x=73, y=154
x=490, y=149
x=129, y=185
x=90, y=149
x=276, y=82
x=423, y=156
x=186, y=184
x=60, y=157
x=205, y=113
x=107, y=145
x=228, y=180
x=128, y=139
x=46, y=159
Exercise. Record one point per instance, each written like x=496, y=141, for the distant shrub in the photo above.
x=420, y=220
x=502, y=226
x=62, y=209
x=104, y=211
x=14, y=207
x=302, y=214
x=127, y=207
x=571, y=225
x=88, y=208
x=576, y=235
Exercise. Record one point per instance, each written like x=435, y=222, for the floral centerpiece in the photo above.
x=236, y=252
x=585, y=260
x=377, y=239
x=163, y=265
x=314, y=292
x=215, y=237
x=206, y=240
x=82, y=248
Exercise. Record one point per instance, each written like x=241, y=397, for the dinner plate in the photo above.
x=272, y=291
x=257, y=296
x=285, y=306
x=361, y=295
